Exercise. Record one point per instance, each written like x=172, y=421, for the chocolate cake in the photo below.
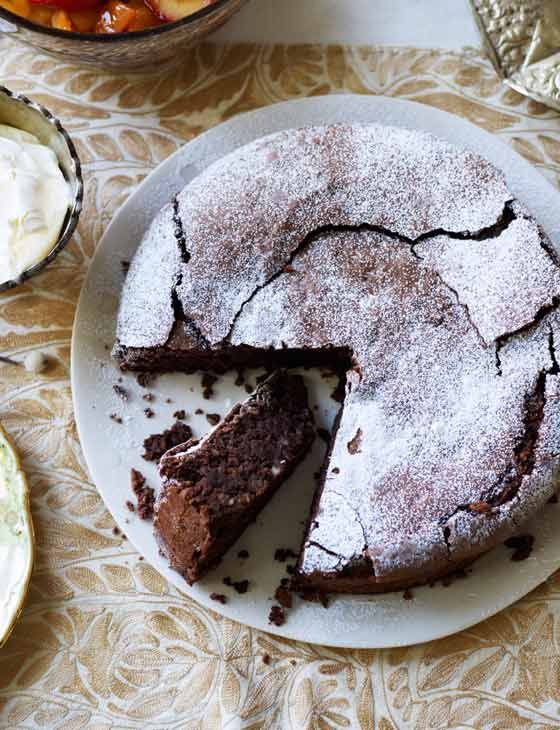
x=407, y=264
x=213, y=488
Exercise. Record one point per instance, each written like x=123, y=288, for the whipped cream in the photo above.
x=34, y=199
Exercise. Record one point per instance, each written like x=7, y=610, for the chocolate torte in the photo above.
x=406, y=263
x=213, y=488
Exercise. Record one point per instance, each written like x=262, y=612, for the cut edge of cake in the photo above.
x=214, y=488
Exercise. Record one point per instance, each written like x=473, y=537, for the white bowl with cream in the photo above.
x=41, y=188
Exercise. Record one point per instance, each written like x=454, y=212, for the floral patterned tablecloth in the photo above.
x=104, y=641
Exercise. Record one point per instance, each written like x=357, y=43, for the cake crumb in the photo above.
x=354, y=445
x=243, y=554
x=115, y=418
x=149, y=413
x=157, y=444
x=208, y=381
x=522, y=546
x=180, y=415
x=121, y=392
x=284, y=596
x=145, y=496
x=149, y=397
x=266, y=659
x=213, y=418
x=282, y=554
x=219, y=597
x=130, y=506
x=241, y=586
x=199, y=412
x=146, y=379
x=277, y=616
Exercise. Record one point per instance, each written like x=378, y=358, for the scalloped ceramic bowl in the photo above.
x=22, y=113
x=141, y=50
x=17, y=543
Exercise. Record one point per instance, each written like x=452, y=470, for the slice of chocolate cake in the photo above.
x=213, y=488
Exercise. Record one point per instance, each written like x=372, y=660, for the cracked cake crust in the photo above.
x=406, y=263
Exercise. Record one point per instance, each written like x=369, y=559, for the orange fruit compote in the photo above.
x=103, y=16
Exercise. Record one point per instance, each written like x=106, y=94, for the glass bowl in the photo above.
x=140, y=50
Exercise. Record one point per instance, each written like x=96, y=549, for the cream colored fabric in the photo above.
x=104, y=641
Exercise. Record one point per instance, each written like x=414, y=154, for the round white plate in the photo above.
x=111, y=449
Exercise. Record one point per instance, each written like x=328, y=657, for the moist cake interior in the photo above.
x=213, y=488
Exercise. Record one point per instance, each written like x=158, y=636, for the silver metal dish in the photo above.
x=522, y=41
x=22, y=113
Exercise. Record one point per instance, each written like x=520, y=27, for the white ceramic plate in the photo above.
x=111, y=449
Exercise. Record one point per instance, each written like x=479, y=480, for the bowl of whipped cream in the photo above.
x=41, y=188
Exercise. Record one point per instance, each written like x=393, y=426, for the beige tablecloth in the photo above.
x=104, y=641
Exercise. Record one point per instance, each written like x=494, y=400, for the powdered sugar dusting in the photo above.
x=442, y=391
x=492, y=279
x=251, y=209
x=438, y=422
x=146, y=311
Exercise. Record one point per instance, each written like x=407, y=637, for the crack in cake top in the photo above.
x=411, y=255
x=245, y=215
